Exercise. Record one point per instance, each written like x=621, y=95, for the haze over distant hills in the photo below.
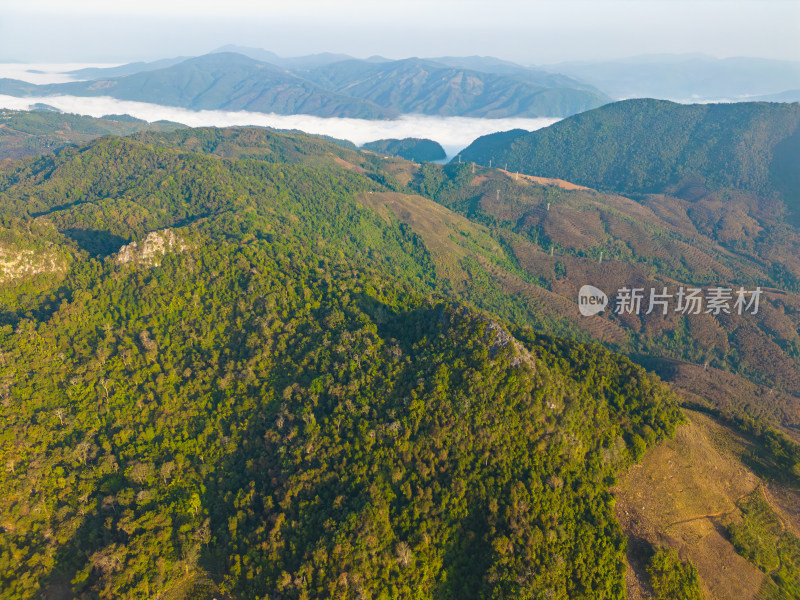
x=238, y=78
x=126, y=69
x=684, y=77
x=309, y=61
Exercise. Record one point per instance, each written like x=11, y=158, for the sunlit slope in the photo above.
x=692, y=493
x=29, y=133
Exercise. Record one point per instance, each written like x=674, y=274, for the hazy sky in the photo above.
x=530, y=32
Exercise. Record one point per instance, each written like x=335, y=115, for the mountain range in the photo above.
x=238, y=362
x=329, y=88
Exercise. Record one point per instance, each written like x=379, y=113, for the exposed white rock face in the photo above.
x=22, y=263
x=150, y=250
x=496, y=337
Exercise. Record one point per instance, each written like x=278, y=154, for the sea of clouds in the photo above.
x=43, y=73
x=453, y=133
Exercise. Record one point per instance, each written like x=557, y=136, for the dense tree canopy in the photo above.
x=282, y=405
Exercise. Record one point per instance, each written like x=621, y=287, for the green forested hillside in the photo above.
x=280, y=403
x=650, y=146
x=258, y=143
x=522, y=251
x=419, y=150
x=30, y=133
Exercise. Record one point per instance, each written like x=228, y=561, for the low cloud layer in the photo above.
x=453, y=133
x=44, y=73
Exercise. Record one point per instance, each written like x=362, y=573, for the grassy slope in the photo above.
x=686, y=493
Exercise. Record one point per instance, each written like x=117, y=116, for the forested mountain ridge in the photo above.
x=418, y=150
x=517, y=259
x=652, y=146
x=513, y=256
x=294, y=308
x=30, y=133
x=284, y=404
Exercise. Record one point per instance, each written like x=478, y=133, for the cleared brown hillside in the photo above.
x=567, y=185
x=684, y=494
x=648, y=244
x=566, y=236
x=732, y=393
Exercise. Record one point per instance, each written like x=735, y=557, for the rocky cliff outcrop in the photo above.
x=16, y=263
x=151, y=249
